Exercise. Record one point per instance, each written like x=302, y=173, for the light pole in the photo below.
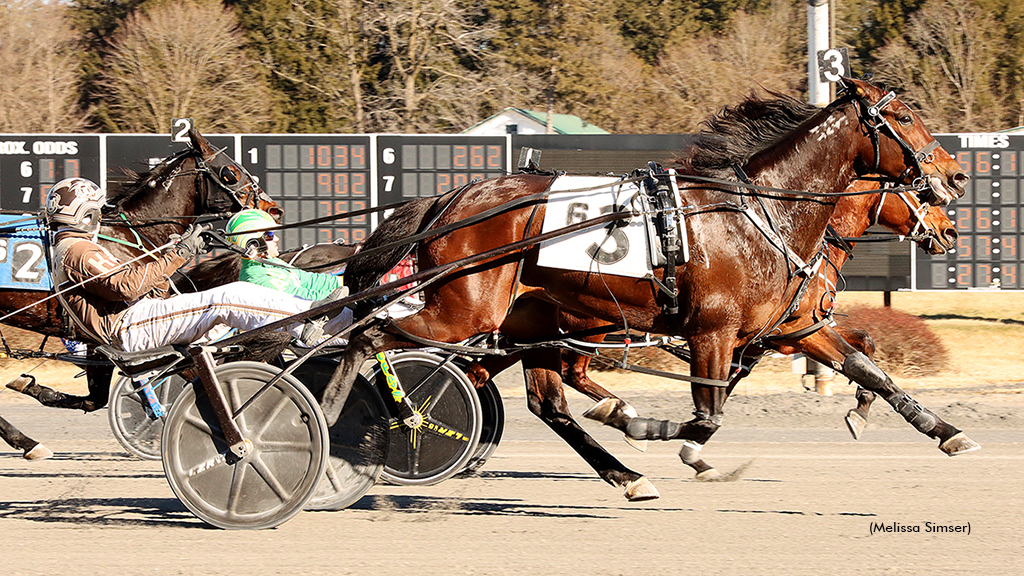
x=818, y=29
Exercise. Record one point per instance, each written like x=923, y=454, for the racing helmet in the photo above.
x=246, y=221
x=76, y=203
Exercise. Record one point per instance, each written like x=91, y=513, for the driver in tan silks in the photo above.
x=126, y=305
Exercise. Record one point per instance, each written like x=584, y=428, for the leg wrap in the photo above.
x=918, y=416
x=690, y=452
x=56, y=399
x=715, y=420
x=651, y=429
x=862, y=370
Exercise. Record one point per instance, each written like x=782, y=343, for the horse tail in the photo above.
x=364, y=272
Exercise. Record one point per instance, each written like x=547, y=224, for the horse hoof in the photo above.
x=604, y=409
x=959, y=443
x=710, y=475
x=21, y=382
x=856, y=423
x=38, y=452
x=640, y=445
x=641, y=489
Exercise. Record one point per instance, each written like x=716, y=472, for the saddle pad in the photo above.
x=612, y=249
x=23, y=254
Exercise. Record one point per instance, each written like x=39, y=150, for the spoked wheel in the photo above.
x=286, y=460
x=134, y=425
x=447, y=439
x=359, y=439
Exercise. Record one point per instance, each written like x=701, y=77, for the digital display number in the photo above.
x=987, y=218
x=314, y=177
x=423, y=166
x=30, y=164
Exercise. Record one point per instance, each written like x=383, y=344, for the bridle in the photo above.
x=918, y=210
x=870, y=115
x=217, y=167
x=225, y=172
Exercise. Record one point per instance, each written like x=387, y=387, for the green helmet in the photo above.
x=244, y=221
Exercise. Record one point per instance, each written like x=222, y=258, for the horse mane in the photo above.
x=141, y=181
x=736, y=133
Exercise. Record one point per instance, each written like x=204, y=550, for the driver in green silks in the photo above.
x=261, y=264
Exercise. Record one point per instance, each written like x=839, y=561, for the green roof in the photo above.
x=563, y=123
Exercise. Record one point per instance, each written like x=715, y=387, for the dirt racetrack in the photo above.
x=806, y=501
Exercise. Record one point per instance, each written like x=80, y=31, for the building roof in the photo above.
x=562, y=123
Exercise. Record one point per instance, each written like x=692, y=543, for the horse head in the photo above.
x=234, y=188
x=903, y=213
x=908, y=151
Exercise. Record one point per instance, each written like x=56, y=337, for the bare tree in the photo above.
x=699, y=75
x=432, y=56
x=183, y=58
x=38, y=59
x=945, y=66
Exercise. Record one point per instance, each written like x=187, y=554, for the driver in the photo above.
x=261, y=266
x=125, y=305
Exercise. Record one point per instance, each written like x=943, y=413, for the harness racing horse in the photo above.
x=197, y=181
x=900, y=212
x=897, y=211
x=737, y=289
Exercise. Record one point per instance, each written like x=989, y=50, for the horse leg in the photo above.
x=98, y=378
x=360, y=348
x=546, y=399
x=32, y=450
x=829, y=347
x=711, y=356
x=857, y=419
x=609, y=410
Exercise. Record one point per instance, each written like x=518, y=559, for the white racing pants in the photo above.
x=151, y=323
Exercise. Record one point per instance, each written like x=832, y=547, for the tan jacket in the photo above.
x=97, y=306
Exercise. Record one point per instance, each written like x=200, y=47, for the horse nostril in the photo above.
x=960, y=180
x=950, y=234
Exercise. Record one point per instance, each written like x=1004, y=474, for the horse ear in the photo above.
x=200, y=143
x=854, y=85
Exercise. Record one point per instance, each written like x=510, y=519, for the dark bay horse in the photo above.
x=899, y=212
x=734, y=292
x=140, y=214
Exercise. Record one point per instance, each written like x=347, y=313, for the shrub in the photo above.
x=650, y=357
x=904, y=345
x=903, y=342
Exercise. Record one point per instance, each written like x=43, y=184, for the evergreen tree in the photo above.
x=290, y=51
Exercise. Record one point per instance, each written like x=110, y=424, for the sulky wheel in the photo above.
x=490, y=432
x=132, y=421
x=359, y=439
x=447, y=439
x=275, y=479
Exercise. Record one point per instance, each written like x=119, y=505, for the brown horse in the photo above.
x=140, y=214
x=900, y=212
x=736, y=290
x=897, y=211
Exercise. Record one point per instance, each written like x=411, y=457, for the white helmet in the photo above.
x=77, y=203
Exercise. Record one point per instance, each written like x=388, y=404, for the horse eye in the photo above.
x=906, y=119
x=228, y=176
